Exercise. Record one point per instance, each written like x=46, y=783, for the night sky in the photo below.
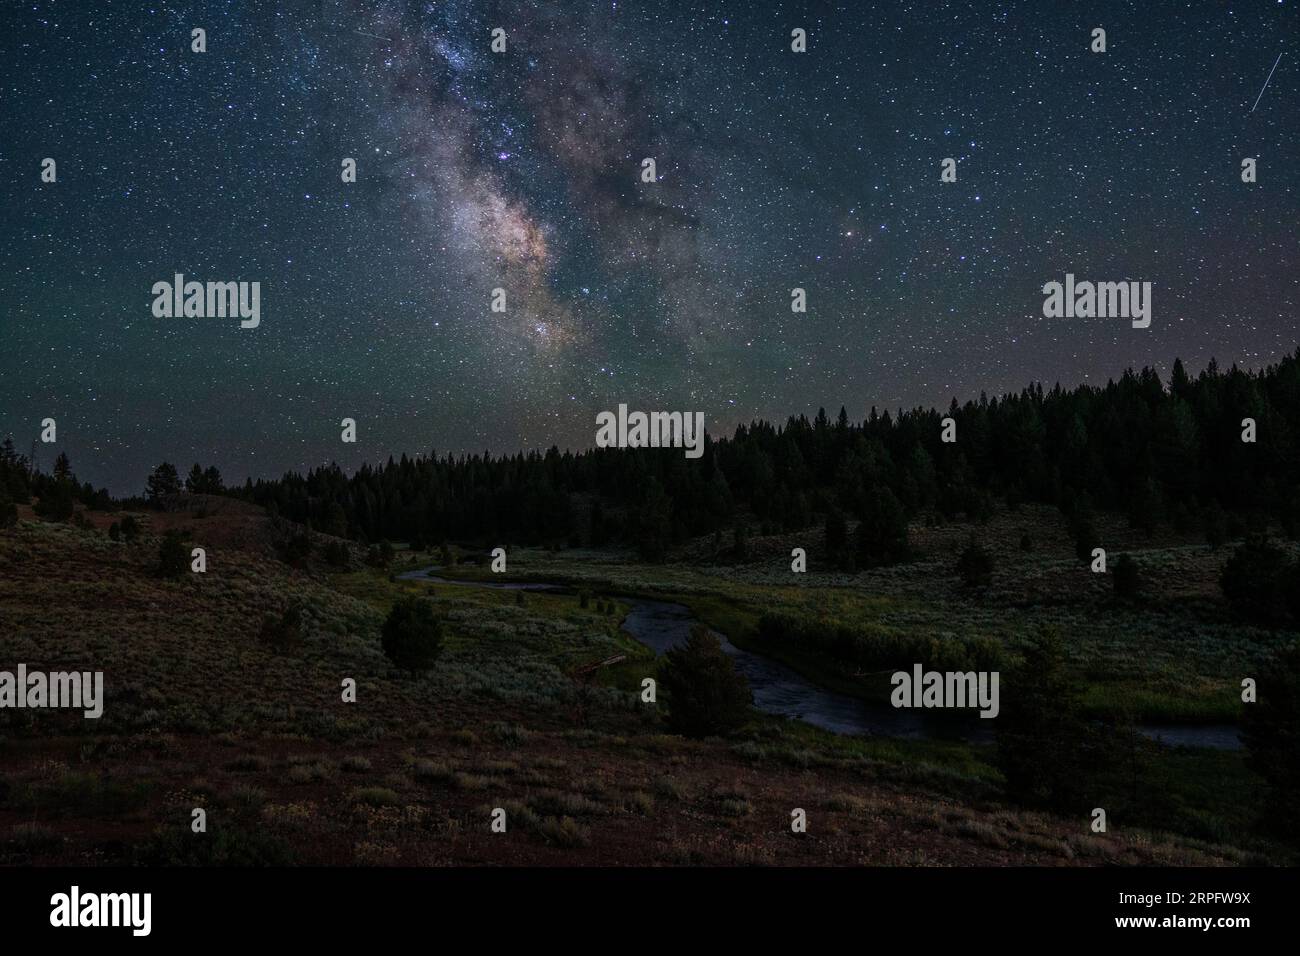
x=522, y=170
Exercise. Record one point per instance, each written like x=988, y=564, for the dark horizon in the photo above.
x=232, y=480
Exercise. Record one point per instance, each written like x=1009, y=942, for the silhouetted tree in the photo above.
x=1131, y=446
x=163, y=482
x=1255, y=579
x=1271, y=733
x=882, y=532
x=707, y=696
x=1044, y=748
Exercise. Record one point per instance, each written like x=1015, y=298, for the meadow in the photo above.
x=202, y=711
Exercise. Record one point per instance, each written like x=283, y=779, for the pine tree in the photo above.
x=162, y=483
x=1271, y=733
x=1043, y=744
x=706, y=694
x=882, y=532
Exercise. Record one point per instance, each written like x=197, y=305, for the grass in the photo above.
x=68, y=793
x=376, y=797
x=1175, y=655
x=586, y=772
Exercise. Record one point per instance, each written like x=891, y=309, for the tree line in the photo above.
x=56, y=494
x=1163, y=453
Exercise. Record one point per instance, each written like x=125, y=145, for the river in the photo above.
x=780, y=690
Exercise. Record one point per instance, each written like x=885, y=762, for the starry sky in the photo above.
x=521, y=170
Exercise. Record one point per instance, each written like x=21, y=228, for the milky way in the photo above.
x=521, y=171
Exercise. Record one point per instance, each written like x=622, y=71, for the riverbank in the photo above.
x=781, y=682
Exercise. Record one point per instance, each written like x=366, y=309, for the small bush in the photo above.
x=667, y=788
x=284, y=634
x=380, y=555
x=836, y=535
x=412, y=636
x=735, y=807
x=640, y=802
x=296, y=549
x=469, y=781
x=872, y=647
x=1255, y=581
x=1215, y=524
x=1127, y=578
x=847, y=803
x=975, y=566
x=130, y=529
x=247, y=797
x=1085, y=536
x=56, y=504
x=506, y=733
x=376, y=797
x=304, y=773
x=8, y=511
x=173, y=556
x=563, y=832
x=431, y=770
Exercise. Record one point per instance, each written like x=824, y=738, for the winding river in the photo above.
x=780, y=690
